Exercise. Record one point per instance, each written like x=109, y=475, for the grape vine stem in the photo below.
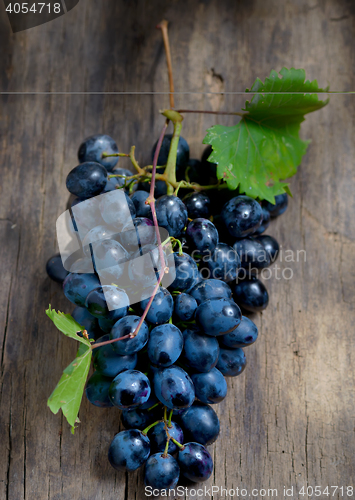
x=163, y=26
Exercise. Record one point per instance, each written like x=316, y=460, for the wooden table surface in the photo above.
x=289, y=419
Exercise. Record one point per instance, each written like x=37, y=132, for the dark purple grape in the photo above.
x=185, y=306
x=165, y=345
x=173, y=387
x=224, y=263
x=127, y=326
x=97, y=390
x=202, y=236
x=251, y=294
x=158, y=437
x=231, y=362
x=161, y=308
x=210, y=387
x=142, y=210
x=138, y=233
x=218, y=316
x=171, y=214
x=186, y=271
x=198, y=205
x=200, y=351
x=138, y=418
x=55, y=269
x=109, y=363
x=246, y=334
x=265, y=223
x=252, y=254
x=270, y=245
x=280, y=206
x=242, y=216
x=93, y=147
x=161, y=472
x=200, y=424
x=195, y=462
x=87, y=320
x=129, y=450
x=129, y=389
x=108, y=302
x=77, y=287
x=210, y=289
x=87, y=180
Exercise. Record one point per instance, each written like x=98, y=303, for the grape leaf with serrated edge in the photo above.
x=69, y=391
x=264, y=148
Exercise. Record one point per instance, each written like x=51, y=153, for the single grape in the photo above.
x=109, y=258
x=185, y=306
x=87, y=320
x=246, y=334
x=242, y=216
x=173, y=387
x=55, y=269
x=202, y=236
x=112, y=184
x=76, y=287
x=195, y=462
x=158, y=437
x=109, y=363
x=161, y=472
x=265, y=223
x=87, y=180
x=251, y=294
x=165, y=345
x=161, y=308
x=210, y=289
x=224, y=263
x=171, y=214
x=270, y=245
x=280, y=206
x=142, y=210
x=93, y=147
x=138, y=418
x=186, y=271
x=108, y=302
x=198, y=205
x=252, y=253
x=231, y=362
x=129, y=450
x=97, y=390
x=129, y=389
x=218, y=316
x=183, y=152
x=210, y=387
x=200, y=351
x=117, y=208
x=200, y=424
x=127, y=326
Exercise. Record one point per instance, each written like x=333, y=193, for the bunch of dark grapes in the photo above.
x=166, y=378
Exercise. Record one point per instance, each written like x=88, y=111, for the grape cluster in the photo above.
x=165, y=377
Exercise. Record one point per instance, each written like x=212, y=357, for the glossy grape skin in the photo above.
x=202, y=235
x=158, y=437
x=109, y=363
x=126, y=326
x=242, y=216
x=224, y=263
x=252, y=253
x=103, y=298
x=200, y=351
x=171, y=214
x=87, y=180
x=210, y=289
x=76, y=287
x=161, y=473
x=246, y=334
x=218, y=316
x=117, y=208
x=173, y=387
x=129, y=389
x=93, y=147
x=200, y=424
x=97, y=390
x=185, y=306
x=270, y=245
x=210, y=387
x=195, y=462
x=231, y=362
x=251, y=294
x=265, y=223
x=165, y=345
x=55, y=269
x=142, y=210
x=183, y=152
x=161, y=308
x=87, y=320
x=186, y=271
x=198, y=205
x=129, y=450
x=138, y=418
x=280, y=206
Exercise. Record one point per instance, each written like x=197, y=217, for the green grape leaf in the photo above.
x=264, y=148
x=69, y=391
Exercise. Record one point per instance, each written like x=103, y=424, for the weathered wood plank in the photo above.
x=288, y=419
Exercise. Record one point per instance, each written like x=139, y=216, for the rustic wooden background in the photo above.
x=289, y=419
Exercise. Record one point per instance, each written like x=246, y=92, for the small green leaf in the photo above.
x=264, y=148
x=67, y=325
x=69, y=391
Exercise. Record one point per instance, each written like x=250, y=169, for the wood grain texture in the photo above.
x=289, y=419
